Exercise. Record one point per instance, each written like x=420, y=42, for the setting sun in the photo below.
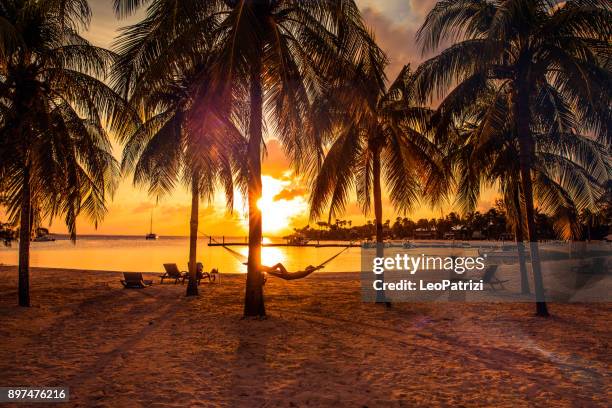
x=278, y=209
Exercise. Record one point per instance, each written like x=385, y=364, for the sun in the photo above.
x=277, y=212
x=281, y=207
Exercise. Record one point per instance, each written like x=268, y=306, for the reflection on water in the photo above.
x=120, y=253
x=136, y=254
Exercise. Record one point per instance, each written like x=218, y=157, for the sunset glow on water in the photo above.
x=139, y=255
x=134, y=253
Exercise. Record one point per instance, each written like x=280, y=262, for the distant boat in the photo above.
x=43, y=235
x=151, y=236
x=297, y=240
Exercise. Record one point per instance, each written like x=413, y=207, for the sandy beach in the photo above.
x=320, y=346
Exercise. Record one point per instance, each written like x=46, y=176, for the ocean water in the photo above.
x=134, y=253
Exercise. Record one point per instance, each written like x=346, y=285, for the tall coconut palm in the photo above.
x=376, y=136
x=568, y=169
x=56, y=155
x=532, y=47
x=273, y=54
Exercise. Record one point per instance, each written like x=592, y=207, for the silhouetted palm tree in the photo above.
x=165, y=149
x=56, y=155
x=568, y=169
x=271, y=55
x=375, y=136
x=535, y=49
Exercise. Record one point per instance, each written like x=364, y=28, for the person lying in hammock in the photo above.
x=280, y=271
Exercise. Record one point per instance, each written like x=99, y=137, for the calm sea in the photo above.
x=131, y=253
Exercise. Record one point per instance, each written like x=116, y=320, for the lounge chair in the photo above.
x=134, y=280
x=172, y=272
x=489, y=277
x=212, y=276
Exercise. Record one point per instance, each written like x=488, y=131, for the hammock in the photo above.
x=308, y=271
x=287, y=276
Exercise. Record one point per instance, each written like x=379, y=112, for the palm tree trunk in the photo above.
x=254, y=300
x=520, y=243
x=378, y=210
x=192, y=285
x=589, y=229
x=526, y=154
x=378, y=214
x=25, y=231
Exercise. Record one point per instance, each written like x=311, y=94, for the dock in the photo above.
x=215, y=243
x=228, y=244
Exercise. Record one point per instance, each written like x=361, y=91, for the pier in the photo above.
x=214, y=243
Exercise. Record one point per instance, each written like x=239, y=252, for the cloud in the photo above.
x=289, y=194
x=105, y=25
x=177, y=210
x=143, y=207
x=398, y=10
x=396, y=40
x=395, y=24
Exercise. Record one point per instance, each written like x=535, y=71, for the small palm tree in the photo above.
x=167, y=147
x=531, y=48
x=56, y=155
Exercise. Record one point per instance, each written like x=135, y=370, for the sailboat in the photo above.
x=151, y=235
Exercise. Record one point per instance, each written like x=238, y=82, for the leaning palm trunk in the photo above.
x=526, y=152
x=254, y=300
x=520, y=243
x=192, y=286
x=25, y=231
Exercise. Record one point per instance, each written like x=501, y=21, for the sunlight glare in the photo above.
x=271, y=256
x=278, y=213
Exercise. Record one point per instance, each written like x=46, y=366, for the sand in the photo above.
x=320, y=346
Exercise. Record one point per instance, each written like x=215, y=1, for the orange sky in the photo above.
x=394, y=23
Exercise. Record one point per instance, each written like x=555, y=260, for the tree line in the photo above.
x=494, y=224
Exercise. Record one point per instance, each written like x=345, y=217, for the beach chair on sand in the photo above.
x=134, y=280
x=212, y=276
x=172, y=272
x=489, y=277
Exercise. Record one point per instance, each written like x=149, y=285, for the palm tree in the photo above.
x=166, y=148
x=375, y=136
x=532, y=48
x=55, y=153
x=275, y=54
x=568, y=169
